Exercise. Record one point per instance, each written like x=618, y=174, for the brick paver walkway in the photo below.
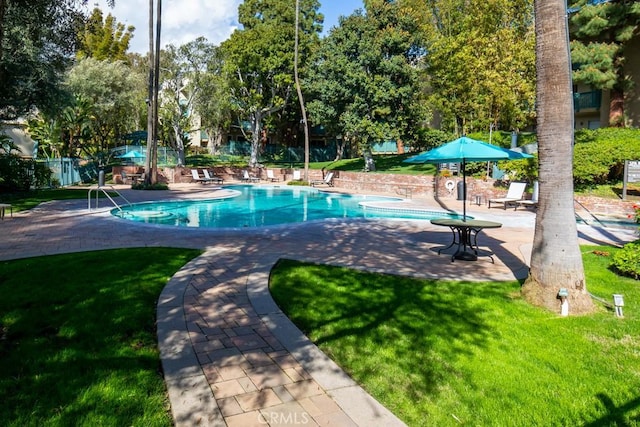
x=230, y=356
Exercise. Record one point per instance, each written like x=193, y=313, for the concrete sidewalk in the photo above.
x=230, y=356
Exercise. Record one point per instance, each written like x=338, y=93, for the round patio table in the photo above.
x=465, y=235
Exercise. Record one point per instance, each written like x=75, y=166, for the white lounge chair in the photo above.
x=249, y=178
x=196, y=177
x=516, y=190
x=530, y=203
x=213, y=178
x=328, y=180
x=271, y=177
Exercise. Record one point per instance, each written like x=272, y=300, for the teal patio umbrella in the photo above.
x=133, y=154
x=463, y=150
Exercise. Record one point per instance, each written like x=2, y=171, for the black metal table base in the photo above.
x=466, y=239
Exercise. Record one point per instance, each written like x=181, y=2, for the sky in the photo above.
x=186, y=20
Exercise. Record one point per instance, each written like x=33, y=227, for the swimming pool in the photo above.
x=260, y=206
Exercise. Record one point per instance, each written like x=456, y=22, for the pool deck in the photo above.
x=230, y=356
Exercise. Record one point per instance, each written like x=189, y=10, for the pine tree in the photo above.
x=600, y=32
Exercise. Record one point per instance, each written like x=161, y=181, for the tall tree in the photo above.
x=183, y=70
x=76, y=125
x=213, y=101
x=556, y=260
x=104, y=38
x=260, y=56
x=367, y=84
x=480, y=58
x=37, y=41
x=112, y=89
x=151, y=176
x=296, y=77
x=600, y=32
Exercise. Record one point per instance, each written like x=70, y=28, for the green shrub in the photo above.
x=627, y=260
x=18, y=174
x=599, y=155
x=143, y=186
x=297, y=183
x=521, y=170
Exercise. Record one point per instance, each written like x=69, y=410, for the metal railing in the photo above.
x=587, y=100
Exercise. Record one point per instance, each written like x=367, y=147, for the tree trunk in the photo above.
x=616, y=108
x=3, y=9
x=300, y=97
x=556, y=260
x=256, y=137
x=150, y=122
x=156, y=100
x=177, y=132
x=214, y=140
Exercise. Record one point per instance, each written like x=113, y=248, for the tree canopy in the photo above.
x=259, y=59
x=104, y=38
x=480, y=59
x=366, y=79
x=182, y=73
x=600, y=32
x=37, y=40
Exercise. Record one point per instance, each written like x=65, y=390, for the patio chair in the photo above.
x=271, y=177
x=327, y=180
x=196, y=177
x=212, y=178
x=516, y=190
x=249, y=178
x=125, y=178
x=529, y=203
x=296, y=176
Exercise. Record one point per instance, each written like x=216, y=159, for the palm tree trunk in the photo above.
x=150, y=122
x=556, y=260
x=156, y=101
x=300, y=97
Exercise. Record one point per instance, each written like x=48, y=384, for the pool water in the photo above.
x=253, y=206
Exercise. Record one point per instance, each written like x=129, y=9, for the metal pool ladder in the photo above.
x=99, y=188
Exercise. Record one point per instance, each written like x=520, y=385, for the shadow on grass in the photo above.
x=78, y=338
x=616, y=415
x=385, y=323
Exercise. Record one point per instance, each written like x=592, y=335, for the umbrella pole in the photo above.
x=464, y=192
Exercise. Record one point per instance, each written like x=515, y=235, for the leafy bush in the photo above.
x=430, y=138
x=18, y=174
x=143, y=186
x=627, y=260
x=599, y=154
x=521, y=170
x=298, y=183
x=636, y=215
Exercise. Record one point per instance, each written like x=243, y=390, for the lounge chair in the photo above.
x=249, y=178
x=271, y=177
x=214, y=178
x=516, y=190
x=530, y=203
x=327, y=180
x=132, y=179
x=196, y=177
x=296, y=176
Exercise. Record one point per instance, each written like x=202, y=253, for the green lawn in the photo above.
x=442, y=353
x=78, y=339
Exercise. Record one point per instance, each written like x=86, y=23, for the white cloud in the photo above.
x=182, y=20
x=185, y=20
